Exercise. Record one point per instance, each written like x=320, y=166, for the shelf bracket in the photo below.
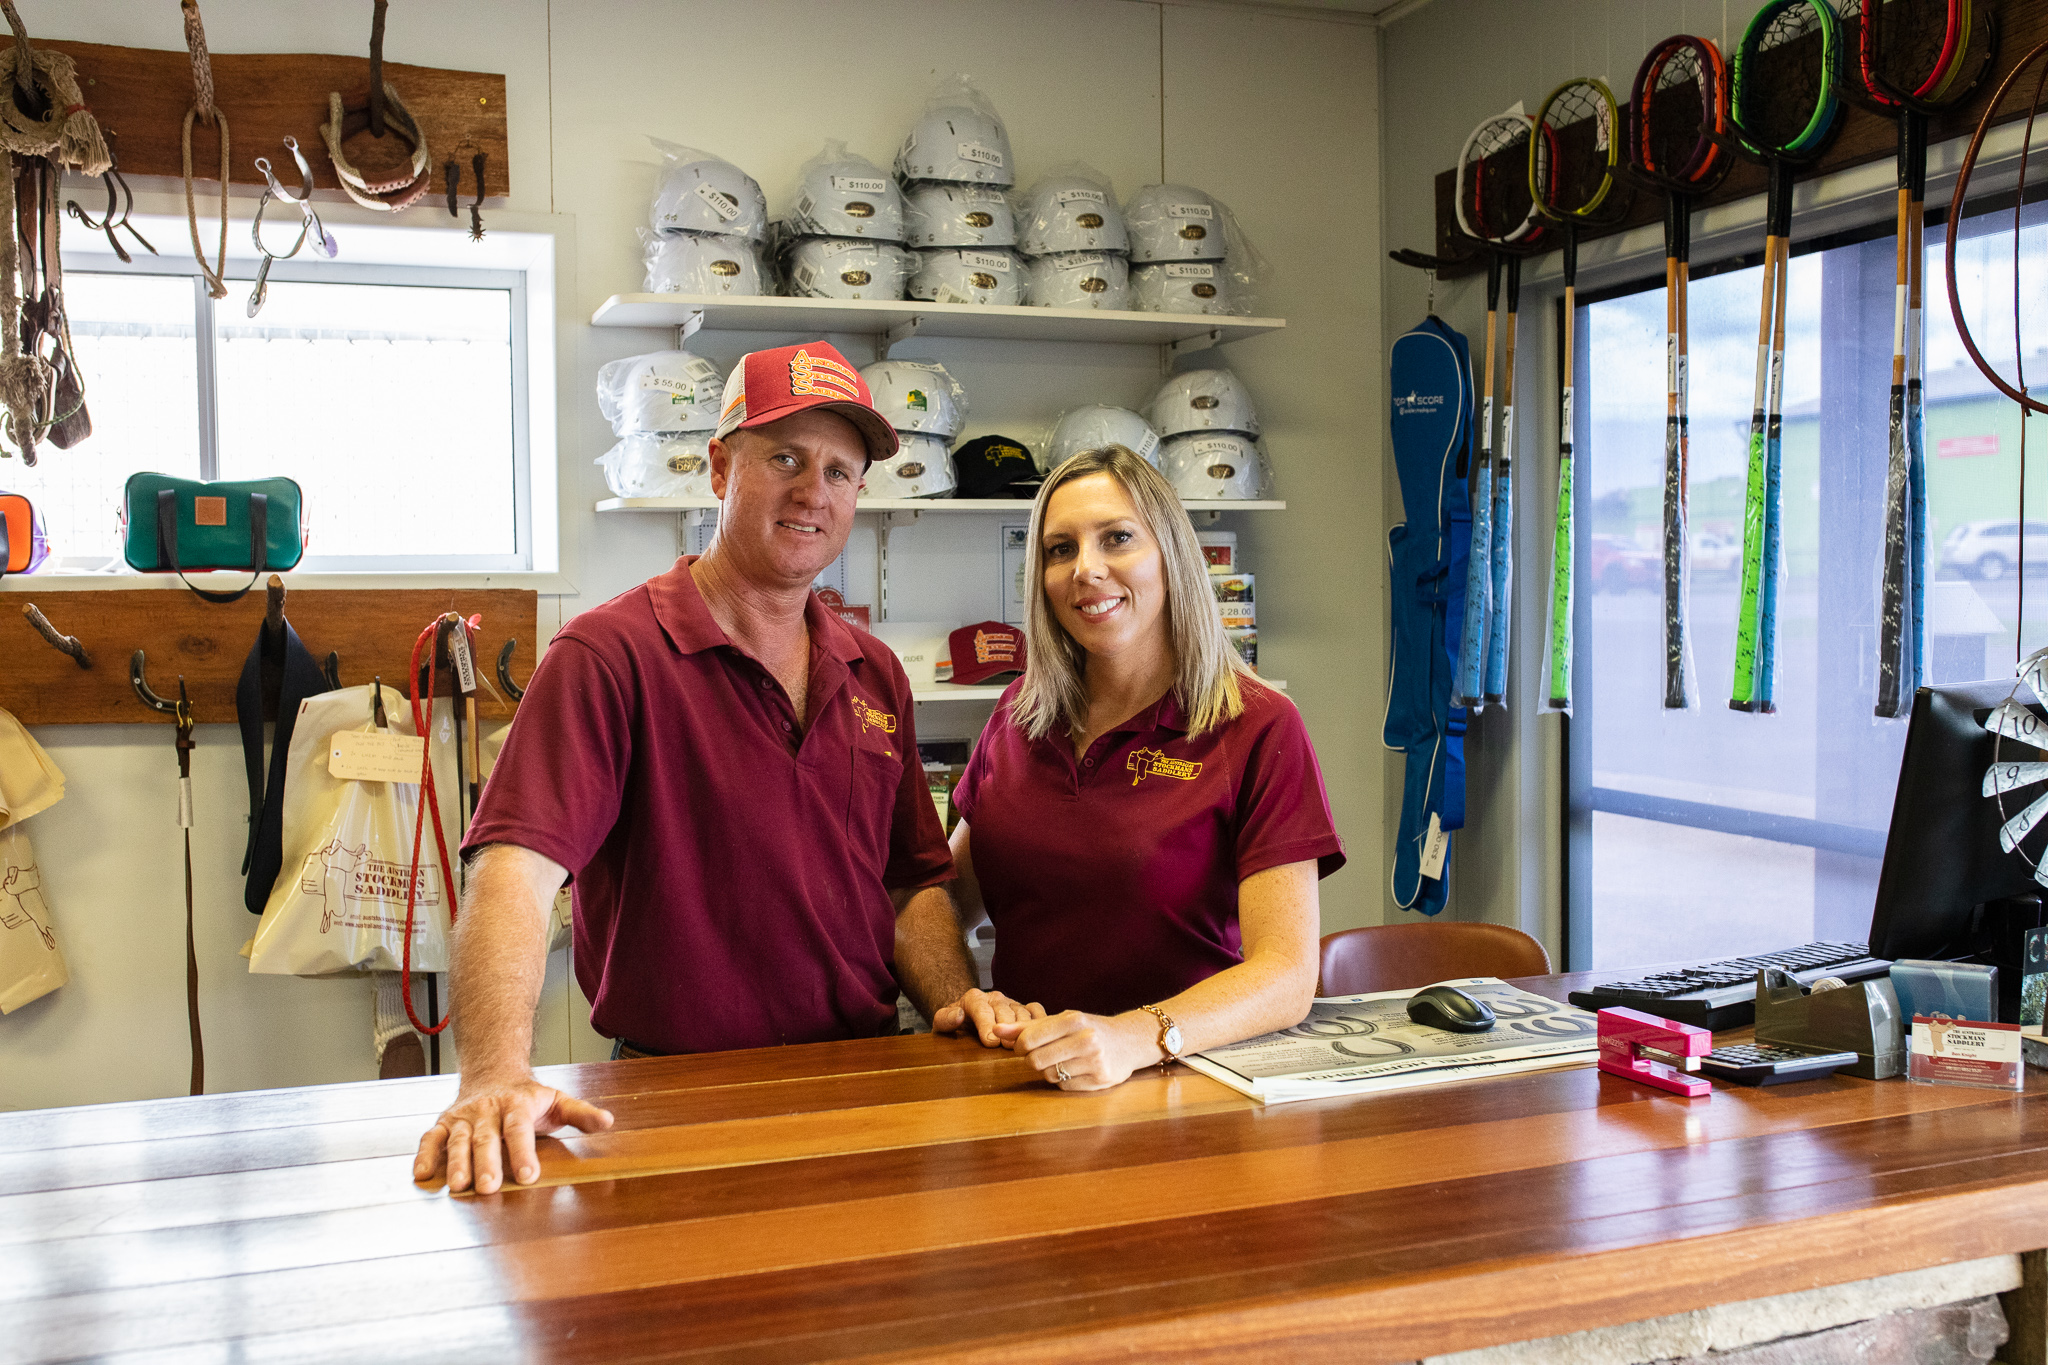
x=901, y=332
x=1211, y=516
x=888, y=520
x=695, y=526
x=1203, y=342
x=692, y=323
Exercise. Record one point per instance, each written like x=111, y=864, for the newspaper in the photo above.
x=1363, y=1044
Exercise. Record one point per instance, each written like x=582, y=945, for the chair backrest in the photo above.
x=1392, y=957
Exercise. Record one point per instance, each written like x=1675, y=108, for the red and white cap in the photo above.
x=987, y=650
x=767, y=386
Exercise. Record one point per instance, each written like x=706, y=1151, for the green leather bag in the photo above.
x=186, y=526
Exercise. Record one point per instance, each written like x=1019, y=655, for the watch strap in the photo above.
x=1167, y=1025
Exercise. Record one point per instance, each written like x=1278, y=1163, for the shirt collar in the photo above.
x=686, y=619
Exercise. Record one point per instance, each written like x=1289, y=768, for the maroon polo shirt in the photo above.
x=1112, y=880
x=732, y=873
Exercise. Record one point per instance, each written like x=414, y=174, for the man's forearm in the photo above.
x=500, y=959
x=931, y=956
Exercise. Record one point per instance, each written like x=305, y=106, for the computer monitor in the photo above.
x=1947, y=890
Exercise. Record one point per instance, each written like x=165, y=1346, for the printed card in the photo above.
x=1949, y=1051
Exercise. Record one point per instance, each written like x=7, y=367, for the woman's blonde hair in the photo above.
x=1054, y=693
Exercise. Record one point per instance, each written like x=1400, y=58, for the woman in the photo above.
x=1143, y=820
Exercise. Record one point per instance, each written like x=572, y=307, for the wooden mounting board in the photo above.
x=373, y=631
x=140, y=95
x=1863, y=137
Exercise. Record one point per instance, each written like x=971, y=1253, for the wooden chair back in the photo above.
x=1392, y=957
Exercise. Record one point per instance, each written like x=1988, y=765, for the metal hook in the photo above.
x=63, y=644
x=330, y=669
x=512, y=689
x=377, y=702
x=181, y=708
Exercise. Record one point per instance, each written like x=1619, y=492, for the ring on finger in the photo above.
x=1059, y=1073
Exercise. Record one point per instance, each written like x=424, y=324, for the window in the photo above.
x=1711, y=833
x=393, y=395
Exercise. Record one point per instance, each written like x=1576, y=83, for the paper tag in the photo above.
x=184, y=803
x=375, y=756
x=1080, y=197
x=1081, y=260
x=1146, y=446
x=465, y=666
x=722, y=204
x=986, y=260
x=985, y=156
x=857, y=184
x=806, y=277
x=1187, y=270
x=1189, y=211
x=1434, y=847
x=1964, y=1052
x=948, y=294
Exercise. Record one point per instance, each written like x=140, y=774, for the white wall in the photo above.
x=1445, y=67
x=1275, y=112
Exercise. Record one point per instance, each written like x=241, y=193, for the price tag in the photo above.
x=1434, y=848
x=465, y=666
x=373, y=756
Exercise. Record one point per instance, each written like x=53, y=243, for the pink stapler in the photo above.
x=1631, y=1043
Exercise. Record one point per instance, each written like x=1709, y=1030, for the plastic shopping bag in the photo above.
x=29, y=780
x=31, y=963
x=339, y=904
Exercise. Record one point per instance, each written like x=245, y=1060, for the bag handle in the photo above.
x=167, y=542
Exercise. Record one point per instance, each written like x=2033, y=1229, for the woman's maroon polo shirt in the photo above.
x=1112, y=881
x=732, y=876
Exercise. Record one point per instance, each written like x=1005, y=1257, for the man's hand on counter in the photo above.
x=981, y=1011
x=490, y=1122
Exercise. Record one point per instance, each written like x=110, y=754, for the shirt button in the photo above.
x=787, y=726
x=1089, y=763
x=767, y=684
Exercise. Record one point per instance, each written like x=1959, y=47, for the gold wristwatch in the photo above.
x=1169, y=1034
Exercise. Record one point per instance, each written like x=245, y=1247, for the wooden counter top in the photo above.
x=918, y=1198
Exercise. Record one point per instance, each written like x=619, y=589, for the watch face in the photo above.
x=1173, y=1040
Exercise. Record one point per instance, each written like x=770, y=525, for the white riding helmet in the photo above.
x=698, y=263
x=1174, y=223
x=665, y=391
x=1180, y=287
x=917, y=396
x=958, y=215
x=1071, y=212
x=923, y=468
x=847, y=268
x=1219, y=464
x=1093, y=427
x=702, y=193
x=1078, y=279
x=1204, y=400
x=847, y=196
x=960, y=143
x=953, y=275
x=652, y=466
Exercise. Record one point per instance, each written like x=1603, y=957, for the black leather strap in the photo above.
x=167, y=542
x=276, y=690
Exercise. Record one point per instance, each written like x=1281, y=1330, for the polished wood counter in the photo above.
x=921, y=1198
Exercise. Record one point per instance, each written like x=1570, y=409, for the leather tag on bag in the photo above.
x=209, y=511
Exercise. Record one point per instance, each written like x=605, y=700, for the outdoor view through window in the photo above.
x=1710, y=832
x=390, y=404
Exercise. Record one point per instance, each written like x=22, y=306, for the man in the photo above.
x=730, y=773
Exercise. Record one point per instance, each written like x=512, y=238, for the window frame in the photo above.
x=241, y=277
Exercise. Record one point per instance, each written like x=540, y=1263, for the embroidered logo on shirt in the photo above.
x=1144, y=763
x=819, y=374
x=871, y=718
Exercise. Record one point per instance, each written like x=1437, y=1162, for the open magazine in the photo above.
x=1359, y=1044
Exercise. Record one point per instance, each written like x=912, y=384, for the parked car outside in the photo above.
x=1989, y=550
x=1714, y=553
x=1619, y=565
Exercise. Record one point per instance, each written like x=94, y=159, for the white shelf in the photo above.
x=913, y=317
x=1019, y=505
x=948, y=692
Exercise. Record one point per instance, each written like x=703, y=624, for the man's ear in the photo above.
x=721, y=468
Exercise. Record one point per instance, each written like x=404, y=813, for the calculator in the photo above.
x=1770, y=1064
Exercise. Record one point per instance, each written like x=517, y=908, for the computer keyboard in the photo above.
x=1718, y=995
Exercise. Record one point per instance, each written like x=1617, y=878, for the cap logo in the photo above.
x=1222, y=471
x=994, y=649
x=914, y=399
x=1202, y=402
x=909, y=471
x=859, y=209
x=1144, y=763
x=981, y=279
x=980, y=219
x=725, y=268
x=1204, y=291
x=1094, y=284
x=824, y=376
x=872, y=718
x=997, y=454
x=686, y=464
x=1194, y=232
x=1090, y=220
x=855, y=277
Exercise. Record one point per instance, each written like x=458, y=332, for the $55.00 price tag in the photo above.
x=370, y=756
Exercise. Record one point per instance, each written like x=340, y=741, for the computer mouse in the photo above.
x=1447, y=1007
